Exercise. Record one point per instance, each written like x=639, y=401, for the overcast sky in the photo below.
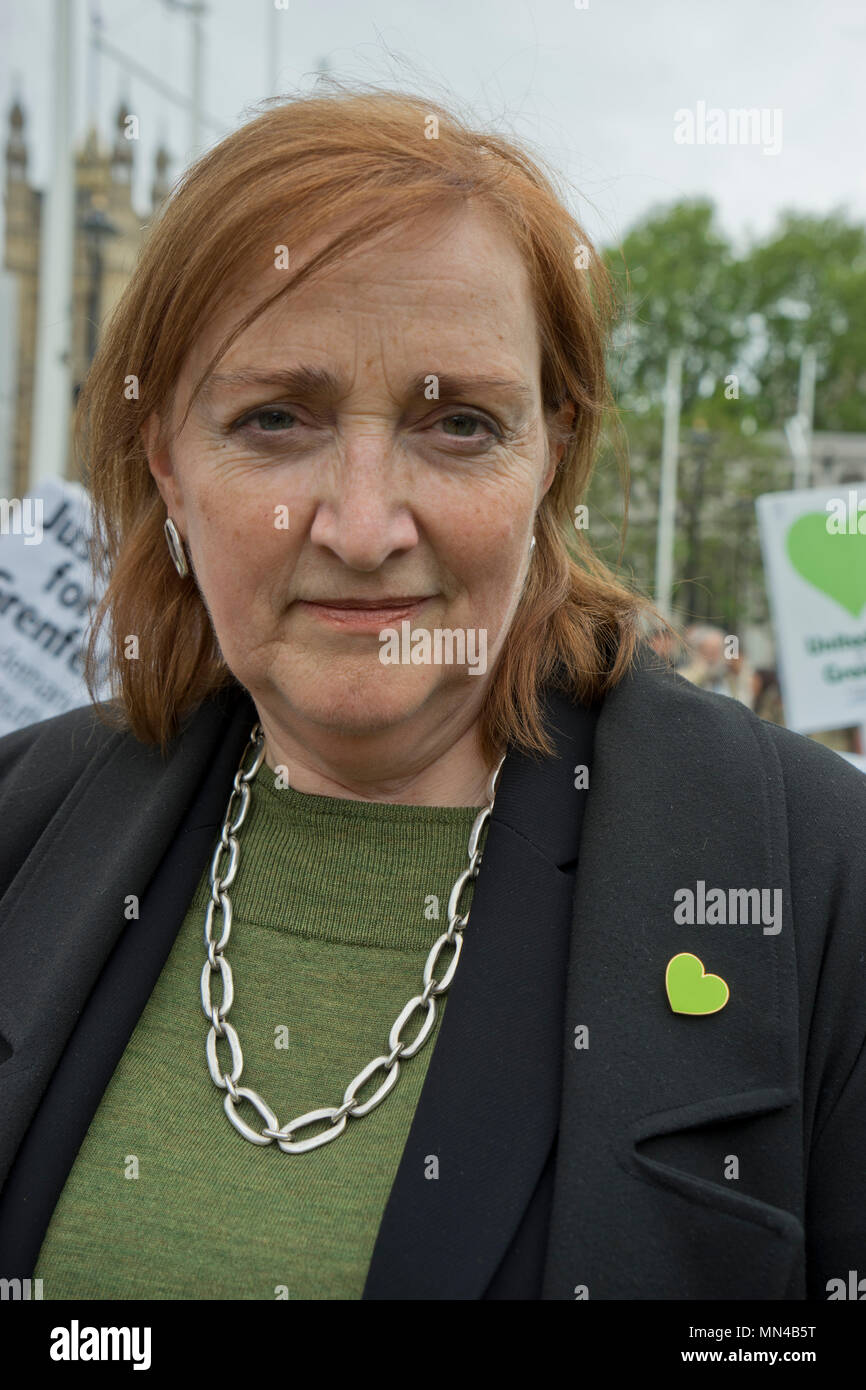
x=595, y=90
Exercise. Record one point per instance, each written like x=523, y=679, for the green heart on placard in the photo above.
x=835, y=564
x=690, y=991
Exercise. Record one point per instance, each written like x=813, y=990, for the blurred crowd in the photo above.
x=715, y=660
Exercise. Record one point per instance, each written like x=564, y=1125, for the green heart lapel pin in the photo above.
x=690, y=990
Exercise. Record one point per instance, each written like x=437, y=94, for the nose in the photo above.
x=363, y=513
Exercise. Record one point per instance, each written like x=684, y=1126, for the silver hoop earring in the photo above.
x=175, y=548
x=532, y=545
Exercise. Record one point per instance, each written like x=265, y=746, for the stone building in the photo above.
x=108, y=235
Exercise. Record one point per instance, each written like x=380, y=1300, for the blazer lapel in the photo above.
x=647, y=1203
x=489, y=1107
x=133, y=803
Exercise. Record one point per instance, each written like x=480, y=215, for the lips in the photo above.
x=364, y=615
x=398, y=601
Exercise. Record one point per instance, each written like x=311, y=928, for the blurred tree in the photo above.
x=679, y=286
x=748, y=316
x=717, y=559
x=806, y=284
x=743, y=320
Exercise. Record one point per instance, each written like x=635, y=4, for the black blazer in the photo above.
x=604, y=1171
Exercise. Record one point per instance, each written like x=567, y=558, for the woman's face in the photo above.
x=325, y=493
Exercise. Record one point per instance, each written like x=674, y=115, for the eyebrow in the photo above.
x=318, y=382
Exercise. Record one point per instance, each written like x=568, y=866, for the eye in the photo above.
x=271, y=419
x=465, y=425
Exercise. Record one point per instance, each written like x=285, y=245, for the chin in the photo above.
x=349, y=698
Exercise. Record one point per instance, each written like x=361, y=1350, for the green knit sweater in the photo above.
x=335, y=907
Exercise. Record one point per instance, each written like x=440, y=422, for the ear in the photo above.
x=559, y=428
x=160, y=464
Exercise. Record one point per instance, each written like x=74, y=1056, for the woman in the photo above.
x=357, y=380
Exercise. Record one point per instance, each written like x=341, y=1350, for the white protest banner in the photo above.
x=814, y=548
x=46, y=600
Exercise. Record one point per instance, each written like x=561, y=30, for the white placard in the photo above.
x=46, y=601
x=814, y=548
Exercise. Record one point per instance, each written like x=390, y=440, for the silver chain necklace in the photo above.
x=216, y=961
